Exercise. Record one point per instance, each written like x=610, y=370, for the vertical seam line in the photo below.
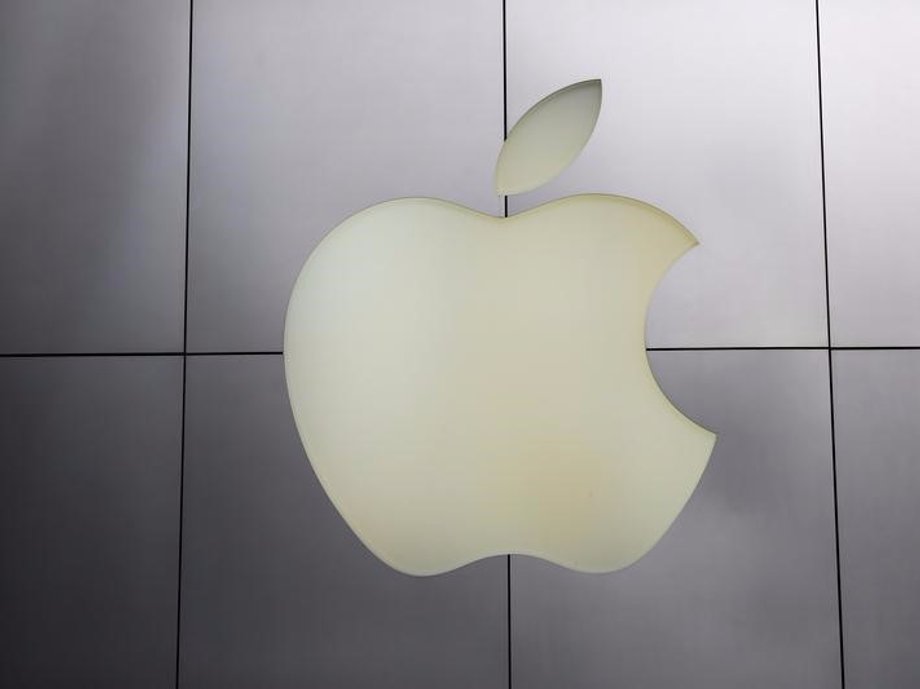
x=830, y=348
x=188, y=182
x=505, y=213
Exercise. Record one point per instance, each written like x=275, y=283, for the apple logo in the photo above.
x=467, y=385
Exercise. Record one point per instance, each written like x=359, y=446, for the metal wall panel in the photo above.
x=92, y=174
x=877, y=405
x=89, y=488
x=872, y=145
x=711, y=113
x=741, y=592
x=305, y=113
x=278, y=592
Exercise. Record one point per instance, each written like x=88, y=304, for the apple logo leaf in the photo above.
x=548, y=138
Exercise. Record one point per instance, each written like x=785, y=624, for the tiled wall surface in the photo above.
x=160, y=523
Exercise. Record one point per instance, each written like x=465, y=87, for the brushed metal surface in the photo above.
x=306, y=113
x=869, y=53
x=278, y=592
x=877, y=405
x=89, y=488
x=93, y=110
x=741, y=592
x=711, y=113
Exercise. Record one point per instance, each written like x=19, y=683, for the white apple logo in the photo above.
x=468, y=385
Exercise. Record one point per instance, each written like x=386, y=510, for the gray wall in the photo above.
x=160, y=523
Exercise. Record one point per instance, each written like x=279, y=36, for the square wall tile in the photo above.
x=741, y=591
x=278, y=592
x=93, y=130
x=877, y=404
x=710, y=112
x=89, y=484
x=871, y=86
x=306, y=113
